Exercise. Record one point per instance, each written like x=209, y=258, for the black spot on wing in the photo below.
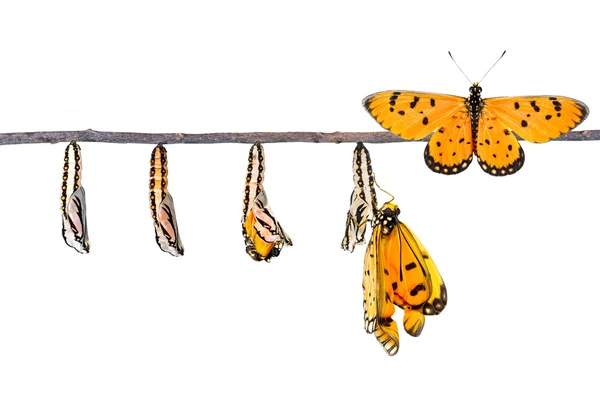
x=414, y=102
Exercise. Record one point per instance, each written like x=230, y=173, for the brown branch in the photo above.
x=233, y=137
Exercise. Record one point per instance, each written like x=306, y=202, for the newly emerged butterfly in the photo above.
x=74, y=220
x=161, y=205
x=263, y=235
x=462, y=127
x=398, y=271
x=363, y=200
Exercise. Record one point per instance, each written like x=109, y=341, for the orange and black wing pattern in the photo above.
x=463, y=127
x=398, y=271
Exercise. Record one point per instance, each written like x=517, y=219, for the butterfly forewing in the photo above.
x=412, y=115
x=414, y=286
x=363, y=200
x=438, y=297
x=537, y=119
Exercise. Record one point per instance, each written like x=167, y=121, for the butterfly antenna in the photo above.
x=458, y=66
x=504, y=52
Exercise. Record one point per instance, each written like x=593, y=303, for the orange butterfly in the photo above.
x=398, y=270
x=462, y=126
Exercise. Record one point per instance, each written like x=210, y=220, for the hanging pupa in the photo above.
x=74, y=221
x=263, y=235
x=161, y=205
x=363, y=201
x=398, y=271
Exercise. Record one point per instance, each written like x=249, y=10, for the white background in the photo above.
x=519, y=254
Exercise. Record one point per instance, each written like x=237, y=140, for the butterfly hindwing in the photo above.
x=498, y=150
x=537, y=119
x=413, y=115
x=450, y=148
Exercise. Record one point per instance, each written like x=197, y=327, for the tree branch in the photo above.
x=91, y=135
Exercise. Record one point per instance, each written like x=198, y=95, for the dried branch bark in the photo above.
x=91, y=135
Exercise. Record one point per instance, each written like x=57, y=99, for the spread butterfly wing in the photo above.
x=413, y=115
x=377, y=301
x=537, y=119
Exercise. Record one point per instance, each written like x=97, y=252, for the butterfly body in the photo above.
x=474, y=105
x=461, y=127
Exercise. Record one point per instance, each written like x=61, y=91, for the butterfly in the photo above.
x=161, y=204
x=462, y=127
x=363, y=200
x=263, y=235
x=398, y=271
x=74, y=219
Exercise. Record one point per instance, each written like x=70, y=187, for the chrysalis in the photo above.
x=398, y=271
x=74, y=222
x=363, y=201
x=161, y=205
x=263, y=235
